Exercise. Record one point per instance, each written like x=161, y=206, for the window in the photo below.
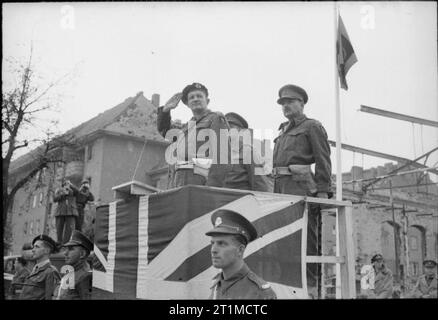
x=41, y=199
x=334, y=230
x=25, y=227
x=414, y=243
x=31, y=228
x=89, y=151
x=37, y=227
x=34, y=201
x=414, y=268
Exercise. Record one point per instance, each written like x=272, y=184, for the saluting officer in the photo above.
x=426, y=286
x=77, y=251
x=191, y=167
x=302, y=142
x=229, y=238
x=248, y=172
x=40, y=283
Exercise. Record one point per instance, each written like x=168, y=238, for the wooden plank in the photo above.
x=324, y=259
x=398, y=116
x=304, y=249
x=346, y=249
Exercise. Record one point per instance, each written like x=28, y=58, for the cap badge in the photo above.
x=197, y=85
x=218, y=221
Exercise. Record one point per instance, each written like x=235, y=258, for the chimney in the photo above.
x=156, y=100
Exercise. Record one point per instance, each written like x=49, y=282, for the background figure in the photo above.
x=21, y=272
x=229, y=238
x=243, y=175
x=40, y=283
x=191, y=167
x=83, y=196
x=302, y=142
x=66, y=210
x=383, y=280
x=426, y=286
x=76, y=253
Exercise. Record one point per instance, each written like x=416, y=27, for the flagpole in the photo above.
x=338, y=153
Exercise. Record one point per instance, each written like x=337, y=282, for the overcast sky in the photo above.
x=243, y=53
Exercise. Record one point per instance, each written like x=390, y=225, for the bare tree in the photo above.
x=26, y=122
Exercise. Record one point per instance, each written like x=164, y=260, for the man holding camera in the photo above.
x=66, y=210
x=84, y=195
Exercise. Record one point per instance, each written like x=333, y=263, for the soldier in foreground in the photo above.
x=302, y=142
x=229, y=238
x=77, y=251
x=192, y=166
x=41, y=282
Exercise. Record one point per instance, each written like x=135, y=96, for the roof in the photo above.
x=117, y=119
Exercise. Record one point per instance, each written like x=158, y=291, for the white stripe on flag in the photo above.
x=143, y=224
x=111, y=246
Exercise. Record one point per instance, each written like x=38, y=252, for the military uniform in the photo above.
x=245, y=176
x=82, y=274
x=302, y=142
x=82, y=287
x=426, y=286
x=244, y=284
x=383, y=283
x=40, y=283
x=83, y=196
x=17, y=283
x=184, y=169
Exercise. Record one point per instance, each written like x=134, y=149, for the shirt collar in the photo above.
x=238, y=275
x=40, y=264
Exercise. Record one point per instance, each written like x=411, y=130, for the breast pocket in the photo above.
x=296, y=141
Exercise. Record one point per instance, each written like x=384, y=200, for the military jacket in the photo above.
x=66, y=203
x=304, y=141
x=40, y=283
x=383, y=283
x=422, y=289
x=244, y=284
x=211, y=120
x=82, y=287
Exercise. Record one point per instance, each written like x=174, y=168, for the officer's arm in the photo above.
x=218, y=172
x=90, y=197
x=58, y=195
x=51, y=281
x=321, y=152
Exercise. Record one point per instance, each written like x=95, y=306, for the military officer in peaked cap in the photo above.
x=426, y=286
x=76, y=284
x=302, y=142
x=246, y=171
x=192, y=167
x=229, y=238
x=39, y=284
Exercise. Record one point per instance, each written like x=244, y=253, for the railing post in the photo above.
x=346, y=249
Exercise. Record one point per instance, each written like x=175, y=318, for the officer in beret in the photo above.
x=82, y=197
x=195, y=166
x=302, y=142
x=246, y=172
x=41, y=282
x=426, y=286
x=383, y=280
x=229, y=238
x=76, y=253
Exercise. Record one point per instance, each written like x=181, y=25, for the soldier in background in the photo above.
x=83, y=196
x=41, y=282
x=229, y=238
x=21, y=272
x=66, y=210
x=242, y=175
x=302, y=142
x=192, y=168
x=76, y=253
x=426, y=286
x=383, y=280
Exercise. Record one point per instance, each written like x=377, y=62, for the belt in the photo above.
x=293, y=169
x=203, y=163
x=183, y=165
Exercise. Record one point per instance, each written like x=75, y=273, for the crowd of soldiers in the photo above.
x=301, y=142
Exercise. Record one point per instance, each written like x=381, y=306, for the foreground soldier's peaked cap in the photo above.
x=79, y=239
x=291, y=91
x=231, y=222
x=237, y=119
x=192, y=87
x=429, y=263
x=43, y=237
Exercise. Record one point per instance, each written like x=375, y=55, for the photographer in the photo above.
x=84, y=195
x=66, y=210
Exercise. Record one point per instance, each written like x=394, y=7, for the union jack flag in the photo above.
x=155, y=247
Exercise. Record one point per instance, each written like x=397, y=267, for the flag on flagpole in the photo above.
x=345, y=53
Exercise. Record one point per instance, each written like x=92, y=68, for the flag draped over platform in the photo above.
x=155, y=247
